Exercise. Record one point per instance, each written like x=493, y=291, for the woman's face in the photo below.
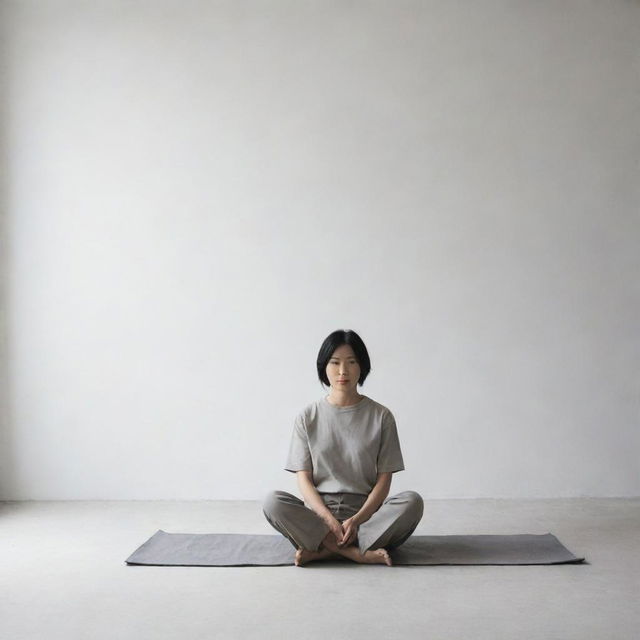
x=343, y=370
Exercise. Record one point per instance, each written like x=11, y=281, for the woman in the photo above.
x=344, y=449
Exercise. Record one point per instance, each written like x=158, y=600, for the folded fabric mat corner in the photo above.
x=237, y=550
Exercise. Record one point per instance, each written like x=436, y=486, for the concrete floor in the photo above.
x=62, y=576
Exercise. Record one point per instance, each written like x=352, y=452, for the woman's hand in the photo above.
x=336, y=529
x=350, y=531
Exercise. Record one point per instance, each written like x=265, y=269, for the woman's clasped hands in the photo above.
x=345, y=533
x=349, y=531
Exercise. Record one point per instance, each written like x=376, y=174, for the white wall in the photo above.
x=198, y=193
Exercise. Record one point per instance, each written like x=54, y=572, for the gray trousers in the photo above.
x=390, y=526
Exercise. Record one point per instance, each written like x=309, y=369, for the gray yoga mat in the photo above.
x=238, y=549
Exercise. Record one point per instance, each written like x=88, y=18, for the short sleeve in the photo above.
x=299, y=458
x=390, y=455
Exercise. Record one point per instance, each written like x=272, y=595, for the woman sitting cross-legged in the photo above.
x=344, y=450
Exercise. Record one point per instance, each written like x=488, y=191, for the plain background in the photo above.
x=195, y=194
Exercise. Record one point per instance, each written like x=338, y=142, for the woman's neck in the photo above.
x=340, y=399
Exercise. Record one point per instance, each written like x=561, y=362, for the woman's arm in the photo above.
x=379, y=492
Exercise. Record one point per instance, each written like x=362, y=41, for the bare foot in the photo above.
x=303, y=556
x=377, y=556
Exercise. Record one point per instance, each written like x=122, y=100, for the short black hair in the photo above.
x=335, y=340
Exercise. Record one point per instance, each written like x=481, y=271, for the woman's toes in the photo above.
x=385, y=555
x=300, y=557
x=378, y=556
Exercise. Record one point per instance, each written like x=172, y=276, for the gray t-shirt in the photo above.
x=345, y=447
